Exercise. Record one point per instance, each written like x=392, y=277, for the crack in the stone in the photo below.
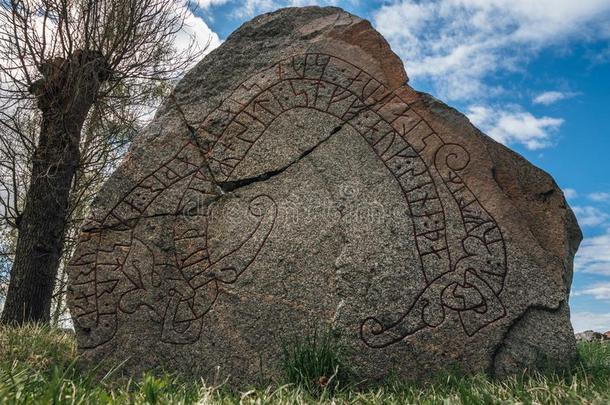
x=202, y=148
x=491, y=371
x=230, y=186
x=131, y=222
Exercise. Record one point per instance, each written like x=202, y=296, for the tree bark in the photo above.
x=65, y=95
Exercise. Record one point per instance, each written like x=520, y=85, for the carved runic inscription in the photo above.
x=116, y=270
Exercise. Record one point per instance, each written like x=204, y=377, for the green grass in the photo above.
x=37, y=365
x=314, y=363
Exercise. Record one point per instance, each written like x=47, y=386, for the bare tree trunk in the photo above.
x=65, y=97
x=41, y=227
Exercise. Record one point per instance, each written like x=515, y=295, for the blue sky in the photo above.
x=534, y=75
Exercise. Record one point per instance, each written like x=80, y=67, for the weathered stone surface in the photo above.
x=294, y=181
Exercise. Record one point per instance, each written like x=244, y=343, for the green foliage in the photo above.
x=314, y=363
x=37, y=366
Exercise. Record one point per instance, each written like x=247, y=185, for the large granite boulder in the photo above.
x=294, y=182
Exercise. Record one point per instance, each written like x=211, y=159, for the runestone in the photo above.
x=294, y=181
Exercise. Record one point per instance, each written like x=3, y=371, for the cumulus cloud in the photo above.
x=195, y=29
x=600, y=196
x=250, y=8
x=590, y=216
x=550, y=97
x=511, y=125
x=582, y=321
x=457, y=43
x=599, y=291
x=594, y=255
x=209, y=3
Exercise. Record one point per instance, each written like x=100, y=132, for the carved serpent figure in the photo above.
x=472, y=286
x=188, y=291
x=126, y=275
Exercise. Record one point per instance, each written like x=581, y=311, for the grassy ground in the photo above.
x=37, y=366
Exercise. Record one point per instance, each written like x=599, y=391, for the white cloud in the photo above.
x=512, y=125
x=195, y=33
x=582, y=321
x=590, y=216
x=594, y=255
x=250, y=8
x=600, y=291
x=550, y=97
x=209, y=3
x=600, y=196
x=570, y=193
x=457, y=43
x=303, y=3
